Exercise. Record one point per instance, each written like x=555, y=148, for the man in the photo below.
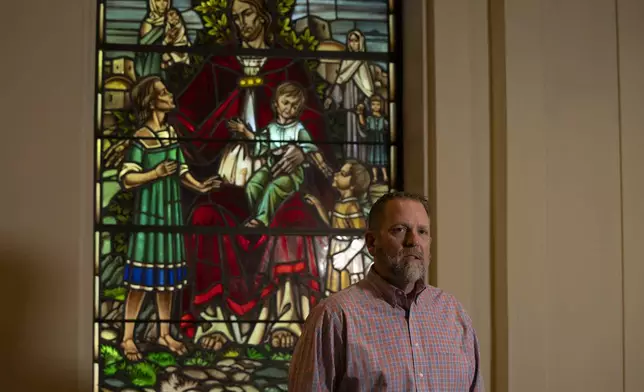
x=390, y=331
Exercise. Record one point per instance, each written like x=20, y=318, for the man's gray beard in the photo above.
x=403, y=273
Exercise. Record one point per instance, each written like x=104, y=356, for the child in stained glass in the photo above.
x=375, y=126
x=348, y=258
x=271, y=184
x=175, y=35
x=155, y=167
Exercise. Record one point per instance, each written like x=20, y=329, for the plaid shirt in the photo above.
x=372, y=337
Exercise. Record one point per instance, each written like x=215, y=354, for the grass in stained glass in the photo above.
x=259, y=367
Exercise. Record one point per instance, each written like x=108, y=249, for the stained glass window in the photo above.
x=239, y=147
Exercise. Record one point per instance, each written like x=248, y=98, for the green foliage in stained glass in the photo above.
x=117, y=294
x=303, y=41
x=120, y=207
x=281, y=357
x=197, y=361
x=142, y=374
x=231, y=354
x=213, y=13
x=201, y=359
x=253, y=353
x=162, y=359
x=113, y=361
x=285, y=7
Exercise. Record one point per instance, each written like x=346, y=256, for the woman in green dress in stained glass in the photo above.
x=154, y=165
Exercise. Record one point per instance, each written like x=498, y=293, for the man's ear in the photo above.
x=370, y=240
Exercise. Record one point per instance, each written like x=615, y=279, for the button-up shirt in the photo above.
x=373, y=337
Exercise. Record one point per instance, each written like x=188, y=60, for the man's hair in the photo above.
x=377, y=212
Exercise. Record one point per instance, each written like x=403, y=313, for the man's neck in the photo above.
x=406, y=287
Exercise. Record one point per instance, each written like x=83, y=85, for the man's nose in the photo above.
x=411, y=238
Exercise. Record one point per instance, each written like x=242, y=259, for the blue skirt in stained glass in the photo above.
x=166, y=277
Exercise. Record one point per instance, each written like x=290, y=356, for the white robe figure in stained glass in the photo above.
x=353, y=84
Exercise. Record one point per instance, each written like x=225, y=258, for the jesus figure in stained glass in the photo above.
x=219, y=93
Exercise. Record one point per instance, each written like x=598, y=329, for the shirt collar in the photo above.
x=393, y=295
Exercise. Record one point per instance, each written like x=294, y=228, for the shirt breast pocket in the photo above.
x=451, y=369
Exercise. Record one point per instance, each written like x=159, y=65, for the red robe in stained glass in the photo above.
x=229, y=267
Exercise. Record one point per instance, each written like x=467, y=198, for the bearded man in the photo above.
x=390, y=331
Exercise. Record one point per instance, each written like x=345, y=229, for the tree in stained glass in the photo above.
x=240, y=144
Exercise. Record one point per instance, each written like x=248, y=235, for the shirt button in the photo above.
x=417, y=345
x=420, y=375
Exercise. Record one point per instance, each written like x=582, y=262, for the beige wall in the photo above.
x=558, y=159
x=564, y=210
x=631, y=64
x=462, y=181
x=46, y=227
x=547, y=130
x=568, y=173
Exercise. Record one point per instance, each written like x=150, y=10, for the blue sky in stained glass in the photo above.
x=123, y=19
x=342, y=9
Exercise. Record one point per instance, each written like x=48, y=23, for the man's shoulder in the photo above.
x=337, y=303
x=440, y=297
x=445, y=302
